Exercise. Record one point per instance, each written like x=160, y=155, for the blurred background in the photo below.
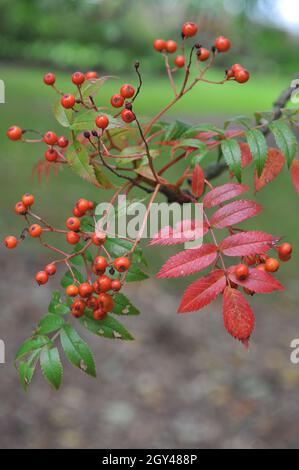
x=184, y=382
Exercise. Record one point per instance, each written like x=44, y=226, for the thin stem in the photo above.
x=169, y=73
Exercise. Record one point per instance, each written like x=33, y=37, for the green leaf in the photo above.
x=123, y=306
x=86, y=121
x=67, y=279
x=135, y=274
x=77, y=351
x=78, y=159
x=175, y=130
x=49, y=323
x=232, y=155
x=62, y=115
x=92, y=87
x=259, y=149
x=32, y=344
x=101, y=178
x=56, y=305
x=26, y=372
x=107, y=328
x=79, y=247
x=285, y=139
x=51, y=366
x=191, y=143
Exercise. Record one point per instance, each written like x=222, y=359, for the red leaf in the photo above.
x=258, y=281
x=247, y=243
x=237, y=315
x=189, y=262
x=295, y=175
x=224, y=193
x=184, y=232
x=198, y=181
x=273, y=166
x=203, y=292
x=235, y=213
x=246, y=156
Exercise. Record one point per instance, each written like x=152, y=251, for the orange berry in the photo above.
x=285, y=249
x=104, y=283
x=14, y=133
x=20, y=208
x=222, y=44
x=28, y=199
x=203, y=54
x=72, y=238
x=73, y=223
x=85, y=289
x=116, y=285
x=99, y=314
x=189, y=29
x=159, y=45
x=10, y=242
x=98, y=239
x=51, y=269
x=35, y=230
x=121, y=264
x=171, y=46
x=272, y=265
x=41, y=278
x=72, y=290
x=242, y=272
x=82, y=205
x=106, y=302
x=179, y=61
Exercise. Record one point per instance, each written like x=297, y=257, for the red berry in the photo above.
x=242, y=272
x=222, y=44
x=100, y=264
x=285, y=251
x=67, y=101
x=242, y=76
x=49, y=78
x=102, y=121
x=73, y=223
x=82, y=205
x=104, y=283
x=116, y=285
x=35, y=230
x=203, y=54
x=272, y=265
x=51, y=269
x=127, y=116
x=20, y=208
x=106, y=302
x=236, y=67
x=159, y=45
x=230, y=74
x=77, y=308
x=121, y=264
x=99, y=314
x=261, y=267
x=127, y=91
x=50, y=138
x=77, y=213
x=189, y=29
x=41, y=278
x=179, y=61
x=85, y=289
x=78, y=78
x=62, y=142
x=90, y=205
x=91, y=75
x=171, y=46
x=10, y=242
x=72, y=238
x=28, y=199
x=72, y=290
x=98, y=239
x=117, y=101
x=14, y=133
x=51, y=155
x=92, y=302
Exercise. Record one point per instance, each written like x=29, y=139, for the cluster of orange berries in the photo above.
x=221, y=44
x=263, y=263
x=117, y=100
x=49, y=138
x=68, y=100
x=95, y=296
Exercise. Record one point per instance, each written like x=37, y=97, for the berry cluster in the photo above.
x=221, y=45
x=92, y=294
